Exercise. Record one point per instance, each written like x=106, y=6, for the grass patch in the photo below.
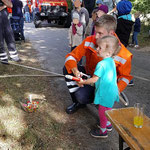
x=144, y=37
x=41, y=130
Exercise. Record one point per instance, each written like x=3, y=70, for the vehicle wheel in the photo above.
x=37, y=21
x=36, y=25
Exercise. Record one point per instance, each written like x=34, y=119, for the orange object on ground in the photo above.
x=30, y=106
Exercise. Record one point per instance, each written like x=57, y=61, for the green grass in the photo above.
x=20, y=130
x=144, y=38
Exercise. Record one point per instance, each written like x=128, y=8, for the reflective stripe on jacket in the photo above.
x=88, y=49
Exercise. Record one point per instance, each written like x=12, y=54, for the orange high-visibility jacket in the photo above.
x=88, y=49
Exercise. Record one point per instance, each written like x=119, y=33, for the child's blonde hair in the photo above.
x=107, y=21
x=137, y=14
x=112, y=44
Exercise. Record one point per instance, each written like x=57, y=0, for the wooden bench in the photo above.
x=122, y=121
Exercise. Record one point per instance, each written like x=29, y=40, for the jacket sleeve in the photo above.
x=74, y=57
x=124, y=75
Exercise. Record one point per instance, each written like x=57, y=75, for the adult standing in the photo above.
x=89, y=5
x=17, y=12
x=99, y=3
x=111, y=4
x=83, y=13
x=124, y=21
x=6, y=34
x=27, y=13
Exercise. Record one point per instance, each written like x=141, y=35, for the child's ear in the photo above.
x=111, y=32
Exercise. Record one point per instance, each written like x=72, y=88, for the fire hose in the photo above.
x=42, y=70
x=123, y=97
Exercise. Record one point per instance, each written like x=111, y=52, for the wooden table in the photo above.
x=122, y=121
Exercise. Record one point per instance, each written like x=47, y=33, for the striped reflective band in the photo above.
x=119, y=59
x=71, y=90
x=70, y=58
x=90, y=44
x=3, y=54
x=4, y=58
x=13, y=56
x=13, y=52
x=71, y=83
x=125, y=80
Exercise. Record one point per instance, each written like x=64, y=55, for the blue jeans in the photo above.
x=27, y=17
x=134, y=38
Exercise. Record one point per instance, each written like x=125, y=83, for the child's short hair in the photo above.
x=107, y=21
x=112, y=44
x=137, y=13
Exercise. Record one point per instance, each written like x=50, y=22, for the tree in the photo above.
x=141, y=5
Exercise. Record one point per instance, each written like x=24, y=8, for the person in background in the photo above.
x=83, y=13
x=105, y=80
x=90, y=27
x=6, y=34
x=32, y=11
x=105, y=25
x=89, y=5
x=17, y=12
x=97, y=13
x=75, y=31
x=99, y=3
x=27, y=13
x=136, y=30
x=124, y=24
x=111, y=5
x=103, y=9
x=35, y=11
x=124, y=21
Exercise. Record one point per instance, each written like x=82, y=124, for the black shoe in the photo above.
x=74, y=107
x=5, y=62
x=131, y=83
x=16, y=59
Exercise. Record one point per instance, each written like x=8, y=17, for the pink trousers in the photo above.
x=102, y=117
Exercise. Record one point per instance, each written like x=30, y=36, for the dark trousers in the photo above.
x=22, y=28
x=134, y=38
x=83, y=95
x=6, y=34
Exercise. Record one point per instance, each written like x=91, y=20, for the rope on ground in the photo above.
x=33, y=68
x=56, y=74
x=26, y=75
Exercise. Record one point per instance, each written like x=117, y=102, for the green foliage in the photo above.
x=141, y=5
x=144, y=37
x=69, y=4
